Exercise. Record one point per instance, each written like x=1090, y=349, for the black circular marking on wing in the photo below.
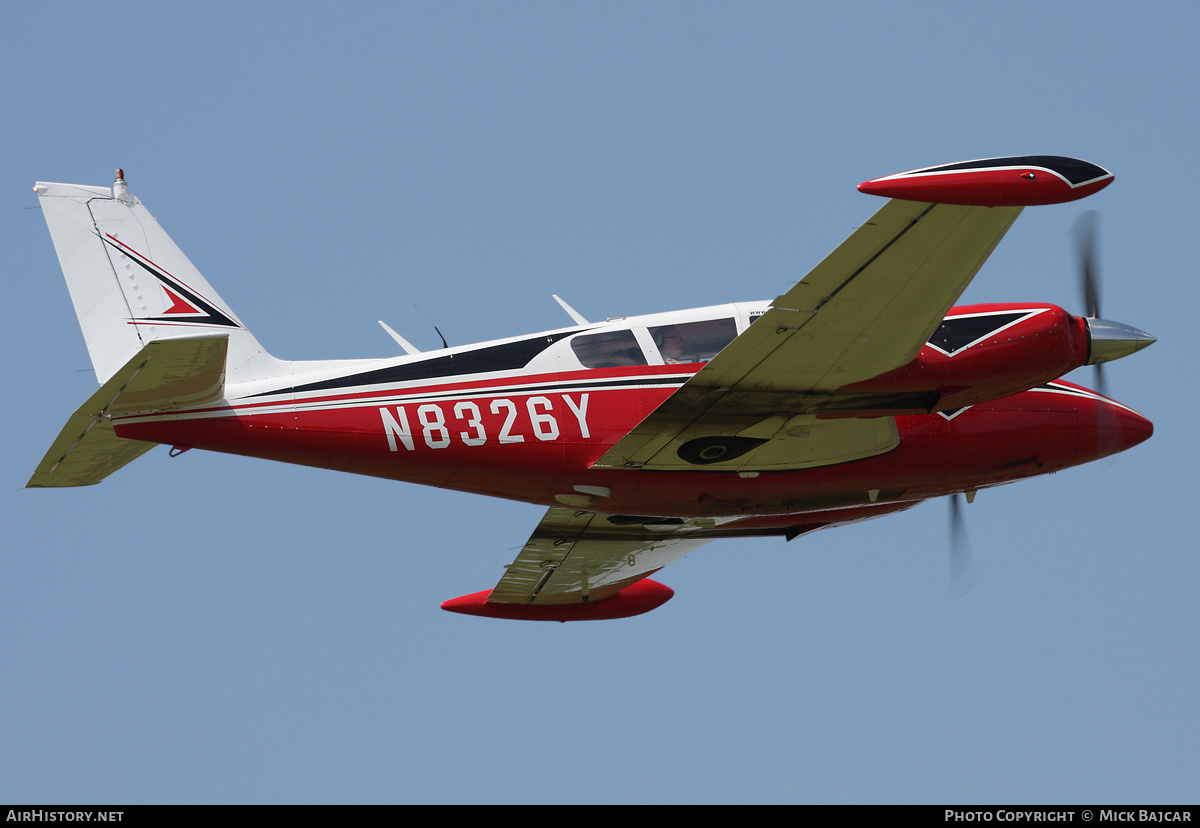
x=706, y=450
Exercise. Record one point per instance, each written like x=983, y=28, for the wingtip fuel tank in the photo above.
x=1015, y=181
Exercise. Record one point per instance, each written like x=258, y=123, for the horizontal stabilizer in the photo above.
x=165, y=374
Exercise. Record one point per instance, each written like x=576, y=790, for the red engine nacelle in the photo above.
x=981, y=353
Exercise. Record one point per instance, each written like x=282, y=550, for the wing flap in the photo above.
x=777, y=442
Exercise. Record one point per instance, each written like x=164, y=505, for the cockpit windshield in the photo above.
x=693, y=341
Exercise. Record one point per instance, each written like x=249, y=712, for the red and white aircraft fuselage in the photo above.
x=860, y=392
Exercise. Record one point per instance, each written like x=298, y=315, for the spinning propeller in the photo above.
x=1085, y=244
x=1107, y=340
x=962, y=566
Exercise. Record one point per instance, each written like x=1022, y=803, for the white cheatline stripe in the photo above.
x=1071, y=391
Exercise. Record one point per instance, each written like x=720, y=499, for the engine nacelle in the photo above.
x=978, y=353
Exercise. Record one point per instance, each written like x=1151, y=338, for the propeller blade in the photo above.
x=1086, y=233
x=1101, y=385
x=1089, y=279
x=962, y=567
x=1107, y=340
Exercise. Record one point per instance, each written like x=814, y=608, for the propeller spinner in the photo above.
x=1106, y=340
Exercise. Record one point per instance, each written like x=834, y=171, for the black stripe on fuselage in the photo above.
x=510, y=356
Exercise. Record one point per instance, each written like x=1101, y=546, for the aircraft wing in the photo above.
x=576, y=559
x=576, y=555
x=581, y=565
x=868, y=308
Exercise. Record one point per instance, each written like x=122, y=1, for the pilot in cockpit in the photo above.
x=670, y=344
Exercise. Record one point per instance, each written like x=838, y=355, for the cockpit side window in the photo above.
x=608, y=349
x=693, y=341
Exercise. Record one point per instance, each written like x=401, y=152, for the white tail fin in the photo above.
x=131, y=285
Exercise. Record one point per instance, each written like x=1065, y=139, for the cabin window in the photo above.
x=693, y=341
x=608, y=349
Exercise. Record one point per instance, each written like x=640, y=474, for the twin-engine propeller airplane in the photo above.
x=859, y=392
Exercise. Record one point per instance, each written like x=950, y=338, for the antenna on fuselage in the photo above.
x=574, y=314
x=401, y=341
x=435, y=327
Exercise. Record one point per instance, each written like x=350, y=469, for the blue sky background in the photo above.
x=218, y=629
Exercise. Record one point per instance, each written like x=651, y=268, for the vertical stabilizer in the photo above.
x=131, y=285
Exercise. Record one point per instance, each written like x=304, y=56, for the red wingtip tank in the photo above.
x=1017, y=181
x=634, y=599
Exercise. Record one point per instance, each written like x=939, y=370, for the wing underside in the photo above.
x=576, y=555
x=868, y=308
x=581, y=565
